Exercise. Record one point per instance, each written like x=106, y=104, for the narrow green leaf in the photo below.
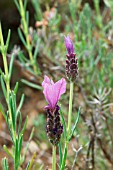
x=20, y=143
x=75, y=125
x=32, y=84
x=16, y=88
x=24, y=127
x=8, y=39
x=27, y=18
x=32, y=133
x=36, y=49
x=19, y=147
x=5, y=164
x=16, y=160
x=7, y=151
x=42, y=167
x=25, y=4
x=1, y=36
x=64, y=159
x=38, y=11
x=8, y=124
x=12, y=102
x=32, y=161
x=17, y=5
x=2, y=111
x=22, y=58
x=20, y=105
x=3, y=87
x=2, y=73
x=20, y=123
x=63, y=122
x=22, y=37
x=60, y=153
x=11, y=65
x=26, y=148
x=10, y=130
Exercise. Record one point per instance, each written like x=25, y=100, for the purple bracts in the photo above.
x=52, y=92
x=71, y=61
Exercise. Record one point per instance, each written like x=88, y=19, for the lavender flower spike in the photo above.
x=71, y=61
x=52, y=92
x=69, y=45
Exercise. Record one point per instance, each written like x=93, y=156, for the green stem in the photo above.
x=7, y=83
x=54, y=158
x=70, y=108
x=25, y=31
x=6, y=79
x=7, y=76
x=69, y=126
x=31, y=55
x=3, y=51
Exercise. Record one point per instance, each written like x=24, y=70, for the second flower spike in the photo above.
x=71, y=61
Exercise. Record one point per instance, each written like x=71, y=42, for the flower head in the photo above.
x=53, y=91
x=69, y=45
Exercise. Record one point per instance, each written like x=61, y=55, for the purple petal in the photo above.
x=53, y=91
x=59, y=88
x=48, y=92
x=49, y=95
x=47, y=80
x=69, y=45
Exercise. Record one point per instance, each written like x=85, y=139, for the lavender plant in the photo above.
x=52, y=92
x=13, y=113
x=91, y=25
x=54, y=128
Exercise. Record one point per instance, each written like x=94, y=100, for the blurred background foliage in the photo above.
x=90, y=25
